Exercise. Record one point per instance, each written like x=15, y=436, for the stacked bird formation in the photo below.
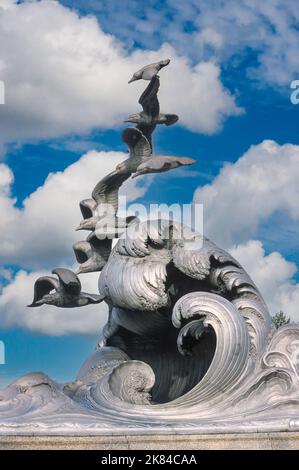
x=100, y=211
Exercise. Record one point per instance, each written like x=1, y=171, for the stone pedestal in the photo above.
x=248, y=441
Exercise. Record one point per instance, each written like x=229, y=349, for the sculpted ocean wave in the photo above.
x=188, y=345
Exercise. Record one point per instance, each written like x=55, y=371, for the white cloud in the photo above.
x=244, y=197
x=48, y=319
x=268, y=28
x=246, y=193
x=6, y=179
x=225, y=30
x=273, y=276
x=271, y=273
x=40, y=235
x=6, y=275
x=63, y=74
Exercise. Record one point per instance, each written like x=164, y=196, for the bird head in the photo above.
x=80, y=227
x=88, y=268
x=48, y=299
x=79, y=270
x=135, y=118
x=163, y=63
x=136, y=76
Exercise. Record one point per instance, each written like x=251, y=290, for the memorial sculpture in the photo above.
x=188, y=346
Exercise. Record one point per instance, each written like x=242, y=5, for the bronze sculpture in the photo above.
x=188, y=346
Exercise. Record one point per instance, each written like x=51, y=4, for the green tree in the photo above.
x=279, y=319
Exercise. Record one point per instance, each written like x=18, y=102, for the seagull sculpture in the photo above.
x=63, y=292
x=150, y=115
x=139, y=148
x=92, y=254
x=99, y=213
x=149, y=71
x=87, y=208
x=113, y=227
x=90, y=217
x=162, y=164
x=104, y=202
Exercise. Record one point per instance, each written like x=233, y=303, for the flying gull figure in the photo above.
x=149, y=71
x=103, y=206
x=63, y=292
x=141, y=160
x=92, y=254
x=139, y=148
x=104, y=202
x=90, y=218
x=150, y=115
x=162, y=164
x=87, y=208
x=113, y=227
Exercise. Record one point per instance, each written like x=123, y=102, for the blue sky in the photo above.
x=229, y=81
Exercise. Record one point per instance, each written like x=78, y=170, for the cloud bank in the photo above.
x=39, y=237
x=228, y=31
x=273, y=275
x=41, y=233
x=64, y=75
x=246, y=193
x=47, y=319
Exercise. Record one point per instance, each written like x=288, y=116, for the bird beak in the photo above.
x=78, y=271
x=132, y=118
x=78, y=228
x=37, y=303
x=132, y=80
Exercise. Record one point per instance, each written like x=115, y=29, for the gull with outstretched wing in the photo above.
x=105, y=200
x=63, y=291
x=139, y=148
x=149, y=71
x=92, y=254
x=150, y=115
x=162, y=164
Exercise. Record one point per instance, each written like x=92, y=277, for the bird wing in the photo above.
x=82, y=251
x=93, y=298
x=43, y=285
x=69, y=280
x=106, y=191
x=157, y=163
x=142, y=150
x=149, y=99
x=103, y=247
x=147, y=130
x=139, y=146
x=171, y=119
x=86, y=208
